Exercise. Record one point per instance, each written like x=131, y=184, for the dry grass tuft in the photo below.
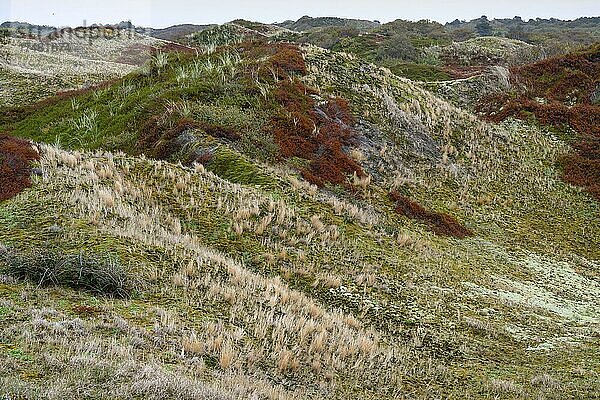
x=500, y=386
x=545, y=381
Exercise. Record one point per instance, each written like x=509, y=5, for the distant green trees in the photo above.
x=518, y=33
x=463, y=33
x=328, y=38
x=420, y=29
x=4, y=35
x=552, y=33
x=397, y=47
x=483, y=27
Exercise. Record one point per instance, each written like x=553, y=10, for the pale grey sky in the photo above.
x=160, y=13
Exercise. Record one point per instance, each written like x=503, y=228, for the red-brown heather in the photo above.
x=462, y=72
x=304, y=129
x=159, y=141
x=316, y=134
x=284, y=59
x=288, y=60
x=439, y=223
x=16, y=156
x=173, y=47
x=301, y=128
x=566, y=83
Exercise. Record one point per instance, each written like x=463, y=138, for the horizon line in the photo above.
x=85, y=22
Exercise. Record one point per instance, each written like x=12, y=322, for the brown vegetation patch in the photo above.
x=572, y=77
x=288, y=60
x=136, y=54
x=439, y=223
x=582, y=168
x=159, y=139
x=339, y=110
x=176, y=47
x=566, y=85
x=319, y=134
x=462, y=72
x=219, y=131
x=16, y=156
x=276, y=60
x=204, y=158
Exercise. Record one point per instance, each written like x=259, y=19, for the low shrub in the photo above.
x=204, y=158
x=583, y=171
x=16, y=156
x=339, y=110
x=439, y=223
x=97, y=273
x=316, y=134
x=288, y=60
x=219, y=131
x=159, y=140
x=562, y=77
x=276, y=61
x=566, y=84
x=320, y=134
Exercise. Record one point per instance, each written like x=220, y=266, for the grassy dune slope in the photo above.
x=236, y=277
x=32, y=69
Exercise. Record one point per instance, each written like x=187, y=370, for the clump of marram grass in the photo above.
x=545, y=381
x=101, y=274
x=501, y=386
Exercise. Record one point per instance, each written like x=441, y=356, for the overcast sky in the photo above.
x=161, y=13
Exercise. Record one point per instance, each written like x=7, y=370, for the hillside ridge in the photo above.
x=241, y=213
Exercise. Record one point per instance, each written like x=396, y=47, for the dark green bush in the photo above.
x=4, y=36
x=418, y=72
x=97, y=273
